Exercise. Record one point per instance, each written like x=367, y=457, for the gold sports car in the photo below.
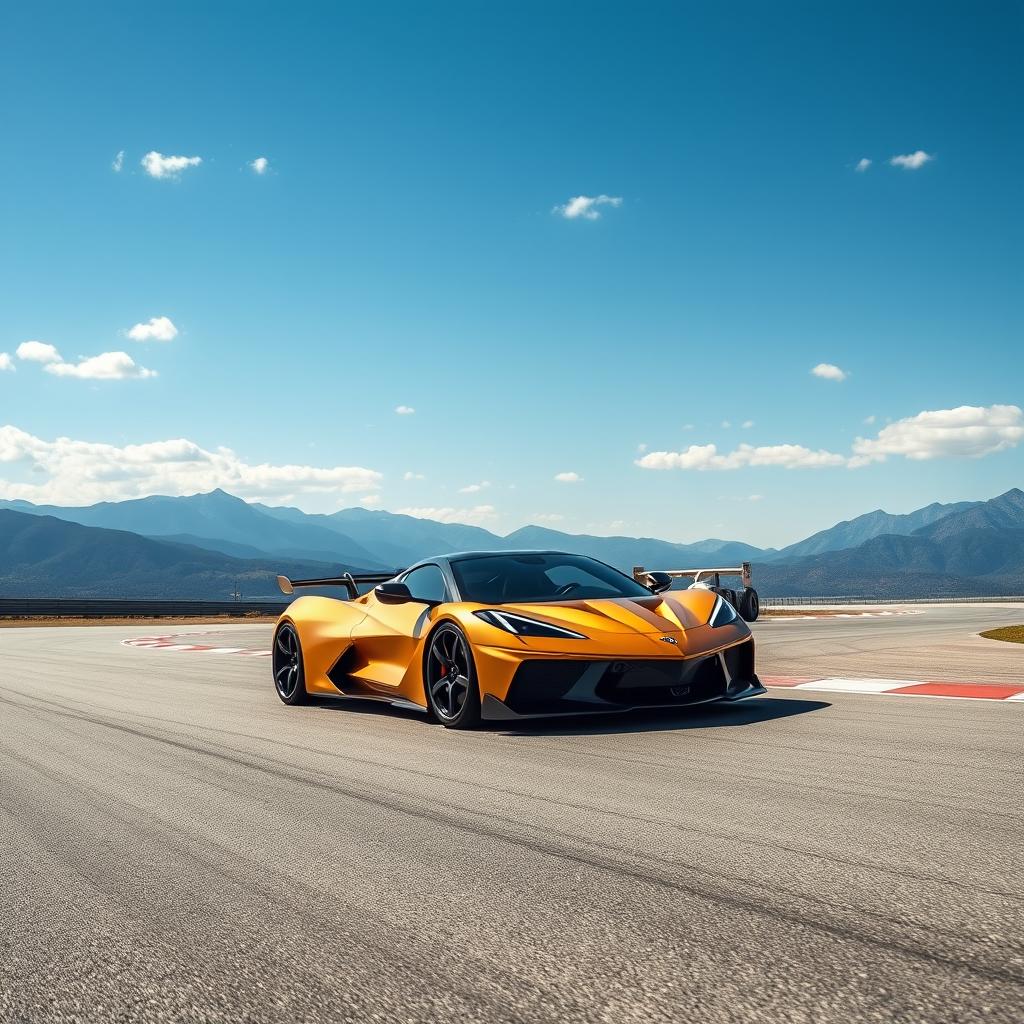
x=513, y=634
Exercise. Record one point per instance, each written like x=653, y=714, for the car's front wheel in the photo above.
x=289, y=676
x=450, y=677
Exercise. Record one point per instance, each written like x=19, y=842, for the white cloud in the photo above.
x=726, y=424
x=157, y=328
x=912, y=161
x=472, y=516
x=38, y=352
x=548, y=517
x=370, y=501
x=862, y=165
x=6, y=362
x=586, y=206
x=106, y=366
x=568, y=478
x=474, y=488
x=755, y=497
x=404, y=410
x=747, y=424
x=260, y=165
x=707, y=457
x=688, y=426
x=969, y=431
x=642, y=447
x=82, y=472
x=829, y=371
x=965, y=432
x=156, y=165
x=869, y=419
x=410, y=475
x=118, y=161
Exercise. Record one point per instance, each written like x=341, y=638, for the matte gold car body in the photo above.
x=377, y=650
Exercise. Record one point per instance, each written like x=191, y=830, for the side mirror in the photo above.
x=658, y=582
x=392, y=593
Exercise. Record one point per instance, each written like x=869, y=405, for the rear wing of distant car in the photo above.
x=712, y=576
x=350, y=581
x=746, y=601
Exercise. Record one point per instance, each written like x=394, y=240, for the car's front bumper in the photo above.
x=545, y=687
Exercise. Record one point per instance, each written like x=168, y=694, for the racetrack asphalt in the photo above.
x=176, y=845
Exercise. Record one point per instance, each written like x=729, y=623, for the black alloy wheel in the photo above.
x=450, y=677
x=289, y=677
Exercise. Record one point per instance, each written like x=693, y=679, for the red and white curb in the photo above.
x=902, y=687
x=171, y=643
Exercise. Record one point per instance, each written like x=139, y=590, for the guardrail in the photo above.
x=782, y=602
x=88, y=608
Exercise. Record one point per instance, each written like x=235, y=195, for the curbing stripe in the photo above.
x=902, y=688
x=981, y=691
x=856, y=685
x=167, y=643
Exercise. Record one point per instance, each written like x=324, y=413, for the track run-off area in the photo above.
x=177, y=845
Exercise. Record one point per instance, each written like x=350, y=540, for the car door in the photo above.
x=389, y=637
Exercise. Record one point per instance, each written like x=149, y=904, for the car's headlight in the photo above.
x=722, y=614
x=521, y=626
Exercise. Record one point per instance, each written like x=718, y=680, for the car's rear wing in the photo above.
x=712, y=576
x=347, y=580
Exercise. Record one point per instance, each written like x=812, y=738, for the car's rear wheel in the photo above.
x=750, y=604
x=450, y=677
x=289, y=676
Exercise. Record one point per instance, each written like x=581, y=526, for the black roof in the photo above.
x=459, y=556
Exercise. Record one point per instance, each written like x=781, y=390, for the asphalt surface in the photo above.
x=925, y=642
x=177, y=845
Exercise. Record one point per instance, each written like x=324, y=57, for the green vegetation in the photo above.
x=1013, y=634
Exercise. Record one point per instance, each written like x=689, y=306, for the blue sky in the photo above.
x=407, y=245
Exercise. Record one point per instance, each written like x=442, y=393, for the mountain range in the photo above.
x=206, y=545
x=42, y=556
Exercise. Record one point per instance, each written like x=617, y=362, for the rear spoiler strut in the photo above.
x=347, y=580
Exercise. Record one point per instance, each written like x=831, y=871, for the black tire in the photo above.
x=750, y=605
x=289, y=672
x=449, y=678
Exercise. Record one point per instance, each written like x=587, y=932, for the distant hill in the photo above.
x=202, y=544
x=402, y=540
x=852, y=532
x=212, y=518
x=1005, y=511
x=41, y=556
x=372, y=539
x=625, y=552
x=978, y=550
x=225, y=547
x=395, y=540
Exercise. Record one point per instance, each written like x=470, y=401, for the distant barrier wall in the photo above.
x=85, y=608
x=782, y=602
x=14, y=607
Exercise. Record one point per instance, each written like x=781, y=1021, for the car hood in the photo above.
x=665, y=613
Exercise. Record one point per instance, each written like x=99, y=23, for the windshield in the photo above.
x=502, y=579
